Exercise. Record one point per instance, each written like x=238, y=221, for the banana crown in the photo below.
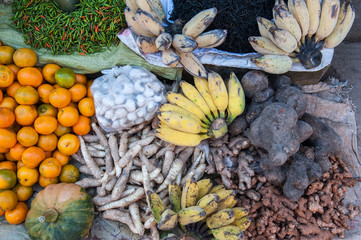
x=146, y=18
x=201, y=202
x=300, y=30
x=202, y=111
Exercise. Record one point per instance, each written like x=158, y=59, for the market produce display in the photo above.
x=60, y=211
x=200, y=201
x=212, y=158
x=201, y=112
x=41, y=112
x=176, y=41
x=89, y=26
x=299, y=32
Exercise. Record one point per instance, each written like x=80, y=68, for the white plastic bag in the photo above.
x=126, y=96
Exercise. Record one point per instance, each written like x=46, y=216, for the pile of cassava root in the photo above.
x=123, y=167
x=320, y=214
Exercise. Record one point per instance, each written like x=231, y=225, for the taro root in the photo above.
x=254, y=82
x=324, y=139
x=276, y=131
x=293, y=97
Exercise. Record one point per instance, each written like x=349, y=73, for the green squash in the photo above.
x=67, y=5
x=60, y=211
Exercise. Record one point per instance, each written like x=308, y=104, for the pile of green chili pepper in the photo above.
x=93, y=25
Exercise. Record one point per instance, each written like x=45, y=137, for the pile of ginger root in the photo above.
x=319, y=214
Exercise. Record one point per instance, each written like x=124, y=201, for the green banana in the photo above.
x=191, y=215
x=189, y=193
x=168, y=220
x=221, y=218
x=175, y=196
x=156, y=205
x=209, y=203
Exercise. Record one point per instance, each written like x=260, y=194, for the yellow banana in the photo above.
x=226, y=199
x=132, y=4
x=191, y=215
x=314, y=12
x=156, y=205
x=192, y=64
x=163, y=41
x=199, y=22
x=229, y=232
x=242, y=223
x=211, y=39
x=180, y=138
x=283, y=39
x=146, y=44
x=180, y=122
x=221, y=218
x=202, y=87
x=218, y=91
x=329, y=15
x=183, y=102
x=234, y=202
x=174, y=196
x=174, y=108
x=192, y=94
x=265, y=46
x=148, y=22
x=264, y=26
x=209, y=203
x=170, y=58
x=134, y=26
x=275, y=64
x=236, y=98
x=299, y=10
x=204, y=186
x=168, y=220
x=240, y=212
x=183, y=43
x=189, y=193
x=286, y=21
x=343, y=26
x=217, y=188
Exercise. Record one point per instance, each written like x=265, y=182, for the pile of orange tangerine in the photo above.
x=41, y=110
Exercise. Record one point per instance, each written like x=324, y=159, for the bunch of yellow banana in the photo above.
x=201, y=112
x=146, y=19
x=201, y=201
x=300, y=30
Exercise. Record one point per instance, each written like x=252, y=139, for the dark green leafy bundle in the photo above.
x=92, y=26
x=237, y=16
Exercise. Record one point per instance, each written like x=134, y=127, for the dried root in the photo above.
x=318, y=214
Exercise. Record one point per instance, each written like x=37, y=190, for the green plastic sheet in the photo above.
x=92, y=63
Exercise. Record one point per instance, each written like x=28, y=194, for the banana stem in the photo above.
x=219, y=128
